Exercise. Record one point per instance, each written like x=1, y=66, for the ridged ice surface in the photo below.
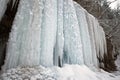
x=54, y=32
x=59, y=44
x=73, y=53
x=84, y=33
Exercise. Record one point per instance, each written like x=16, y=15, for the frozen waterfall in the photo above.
x=54, y=32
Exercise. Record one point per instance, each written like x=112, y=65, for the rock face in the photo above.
x=2, y=50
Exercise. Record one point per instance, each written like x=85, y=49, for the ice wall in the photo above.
x=54, y=32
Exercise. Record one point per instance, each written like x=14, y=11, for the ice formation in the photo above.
x=3, y=6
x=59, y=44
x=54, y=32
x=73, y=53
x=84, y=33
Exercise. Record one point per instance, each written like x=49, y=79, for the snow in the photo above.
x=28, y=73
x=67, y=72
x=84, y=33
x=48, y=32
x=75, y=72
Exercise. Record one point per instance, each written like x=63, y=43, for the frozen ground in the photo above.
x=68, y=72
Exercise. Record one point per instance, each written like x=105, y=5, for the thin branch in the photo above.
x=106, y=8
x=109, y=35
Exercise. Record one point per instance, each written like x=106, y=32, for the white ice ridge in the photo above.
x=54, y=32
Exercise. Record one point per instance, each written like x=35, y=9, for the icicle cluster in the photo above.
x=93, y=37
x=54, y=32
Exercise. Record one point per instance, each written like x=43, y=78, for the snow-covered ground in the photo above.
x=68, y=72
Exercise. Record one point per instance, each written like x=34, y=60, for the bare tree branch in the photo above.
x=109, y=35
x=106, y=8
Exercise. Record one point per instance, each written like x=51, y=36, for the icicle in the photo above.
x=105, y=43
x=99, y=40
x=73, y=53
x=24, y=43
x=48, y=32
x=83, y=25
x=96, y=36
x=58, y=56
x=13, y=3
x=92, y=38
x=3, y=6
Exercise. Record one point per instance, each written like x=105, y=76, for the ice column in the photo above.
x=90, y=19
x=73, y=53
x=48, y=32
x=83, y=25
